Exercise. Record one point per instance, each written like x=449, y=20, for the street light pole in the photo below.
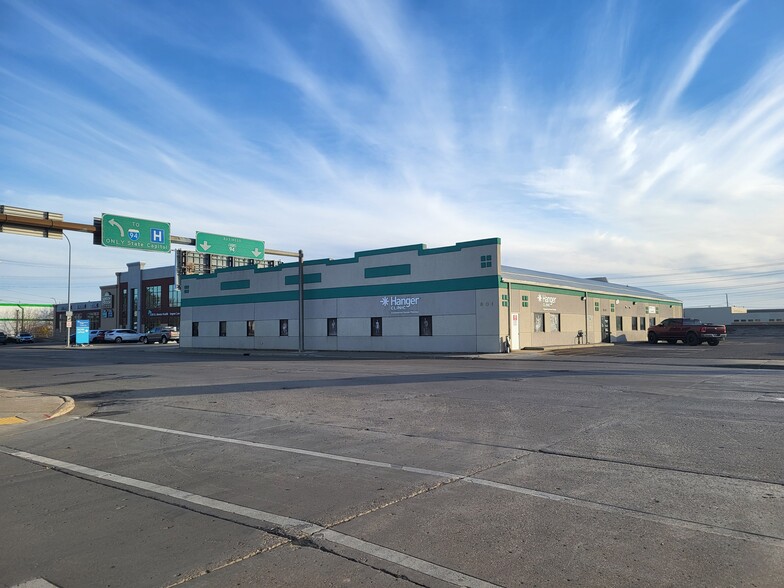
x=68, y=314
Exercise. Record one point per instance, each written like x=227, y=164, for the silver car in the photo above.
x=122, y=336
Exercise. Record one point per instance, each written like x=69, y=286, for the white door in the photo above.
x=515, y=338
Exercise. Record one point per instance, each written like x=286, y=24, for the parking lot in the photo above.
x=603, y=466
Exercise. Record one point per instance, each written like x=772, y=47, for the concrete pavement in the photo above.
x=17, y=407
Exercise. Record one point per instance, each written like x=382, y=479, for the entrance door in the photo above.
x=515, y=338
x=605, y=328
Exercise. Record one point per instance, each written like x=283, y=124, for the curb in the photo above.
x=67, y=406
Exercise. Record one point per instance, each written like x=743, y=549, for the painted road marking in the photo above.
x=451, y=477
x=13, y=420
x=294, y=527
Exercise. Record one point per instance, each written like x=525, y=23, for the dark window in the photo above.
x=284, y=328
x=222, y=329
x=376, y=326
x=195, y=329
x=152, y=297
x=619, y=323
x=642, y=323
x=135, y=308
x=538, y=322
x=250, y=328
x=486, y=261
x=332, y=327
x=175, y=296
x=653, y=320
x=425, y=326
x=634, y=323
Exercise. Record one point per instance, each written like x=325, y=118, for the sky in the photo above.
x=640, y=141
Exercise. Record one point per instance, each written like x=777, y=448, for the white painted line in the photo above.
x=291, y=526
x=451, y=477
x=332, y=456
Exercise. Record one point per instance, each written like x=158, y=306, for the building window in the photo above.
x=376, y=326
x=284, y=328
x=135, y=308
x=152, y=297
x=250, y=328
x=642, y=323
x=504, y=300
x=332, y=327
x=619, y=323
x=175, y=296
x=652, y=320
x=195, y=329
x=425, y=326
x=555, y=322
x=124, y=307
x=634, y=323
x=538, y=322
x=222, y=329
x=612, y=307
x=596, y=306
x=525, y=301
x=487, y=261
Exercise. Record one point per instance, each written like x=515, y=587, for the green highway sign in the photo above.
x=232, y=246
x=135, y=233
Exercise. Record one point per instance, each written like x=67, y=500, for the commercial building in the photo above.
x=141, y=299
x=450, y=299
x=82, y=311
x=737, y=315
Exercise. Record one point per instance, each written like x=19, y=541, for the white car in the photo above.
x=122, y=336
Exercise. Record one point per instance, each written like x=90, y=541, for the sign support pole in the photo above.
x=301, y=301
x=68, y=314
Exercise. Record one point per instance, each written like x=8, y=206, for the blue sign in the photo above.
x=82, y=332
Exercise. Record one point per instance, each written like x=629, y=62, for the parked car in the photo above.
x=3, y=338
x=161, y=335
x=24, y=338
x=123, y=336
x=97, y=336
x=690, y=331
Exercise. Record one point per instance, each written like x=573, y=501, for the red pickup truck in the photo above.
x=690, y=331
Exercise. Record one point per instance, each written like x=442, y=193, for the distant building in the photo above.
x=147, y=298
x=82, y=311
x=737, y=315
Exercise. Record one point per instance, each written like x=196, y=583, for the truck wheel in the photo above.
x=692, y=338
x=713, y=343
x=144, y=340
x=652, y=338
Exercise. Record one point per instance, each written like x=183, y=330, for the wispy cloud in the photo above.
x=698, y=55
x=401, y=141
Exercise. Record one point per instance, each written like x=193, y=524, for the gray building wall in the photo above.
x=737, y=315
x=469, y=299
x=456, y=286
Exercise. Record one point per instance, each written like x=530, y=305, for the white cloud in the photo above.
x=588, y=183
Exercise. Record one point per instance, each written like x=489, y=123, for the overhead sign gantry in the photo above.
x=113, y=230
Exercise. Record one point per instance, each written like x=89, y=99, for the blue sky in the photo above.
x=642, y=141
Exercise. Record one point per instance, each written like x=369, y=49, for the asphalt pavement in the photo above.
x=645, y=465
